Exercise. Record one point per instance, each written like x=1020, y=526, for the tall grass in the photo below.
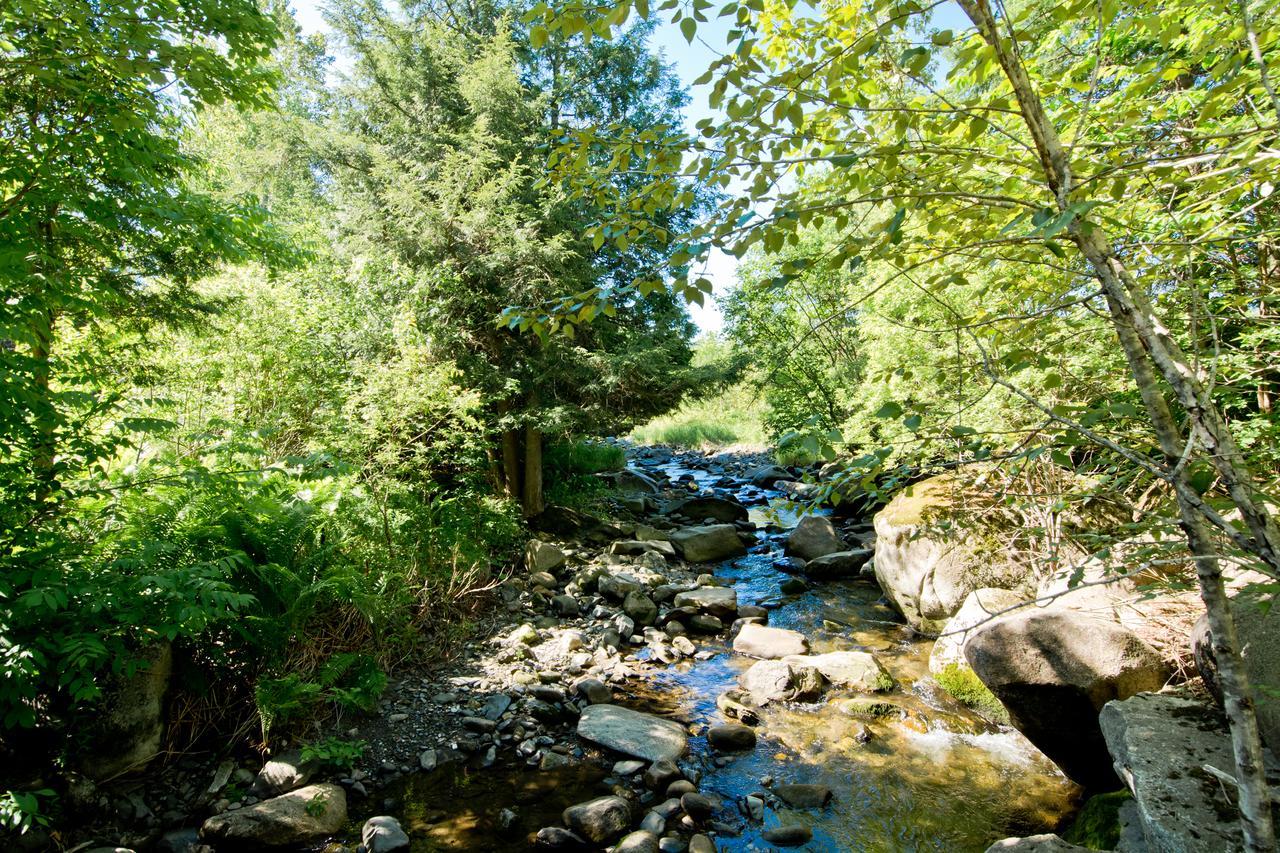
x=733, y=417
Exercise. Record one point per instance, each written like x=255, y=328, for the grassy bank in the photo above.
x=733, y=417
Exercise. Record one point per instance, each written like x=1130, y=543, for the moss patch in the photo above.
x=962, y=683
x=1098, y=824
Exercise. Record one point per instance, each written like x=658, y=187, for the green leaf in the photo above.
x=889, y=410
x=689, y=27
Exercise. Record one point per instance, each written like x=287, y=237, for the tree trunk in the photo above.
x=531, y=500
x=511, y=463
x=1149, y=347
x=44, y=448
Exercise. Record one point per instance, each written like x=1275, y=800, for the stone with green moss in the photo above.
x=963, y=683
x=1098, y=825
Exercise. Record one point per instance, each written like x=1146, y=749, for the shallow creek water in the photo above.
x=933, y=778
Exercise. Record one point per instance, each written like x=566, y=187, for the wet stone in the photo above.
x=697, y=806
x=788, y=836
x=803, y=796
x=731, y=737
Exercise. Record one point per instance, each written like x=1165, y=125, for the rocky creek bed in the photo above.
x=712, y=669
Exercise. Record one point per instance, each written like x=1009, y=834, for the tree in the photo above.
x=437, y=166
x=98, y=216
x=1106, y=155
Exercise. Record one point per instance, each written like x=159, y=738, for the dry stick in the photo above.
x=1145, y=341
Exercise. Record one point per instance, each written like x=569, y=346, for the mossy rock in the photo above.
x=1097, y=826
x=963, y=684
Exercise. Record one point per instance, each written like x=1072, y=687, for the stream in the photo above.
x=929, y=776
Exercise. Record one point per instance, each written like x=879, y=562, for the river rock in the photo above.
x=558, y=838
x=859, y=671
x=777, y=681
x=840, y=564
x=618, y=585
x=708, y=543
x=815, y=536
x=792, y=835
x=282, y=773
x=661, y=773
x=640, y=841
x=383, y=834
x=927, y=567
x=701, y=844
x=639, y=547
x=761, y=641
x=595, y=691
x=709, y=506
x=631, y=480
x=600, y=820
x=697, y=806
x=1048, y=843
x=804, y=796
x=633, y=732
x=1053, y=671
x=542, y=556
x=297, y=817
x=719, y=601
x=641, y=608
x=732, y=703
x=731, y=737
x=765, y=476
x=1160, y=742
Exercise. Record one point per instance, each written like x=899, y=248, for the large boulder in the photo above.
x=1258, y=630
x=708, y=543
x=1161, y=743
x=928, y=557
x=709, y=506
x=947, y=662
x=761, y=641
x=129, y=720
x=307, y=814
x=815, y=536
x=1053, y=671
x=859, y=671
x=633, y=732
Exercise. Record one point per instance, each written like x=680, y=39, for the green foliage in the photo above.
x=20, y=811
x=348, y=682
x=334, y=752
x=571, y=468
x=584, y=457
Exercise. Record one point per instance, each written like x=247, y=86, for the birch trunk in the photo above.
x=1151, y=352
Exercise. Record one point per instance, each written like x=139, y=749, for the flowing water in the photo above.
x=932, y=777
